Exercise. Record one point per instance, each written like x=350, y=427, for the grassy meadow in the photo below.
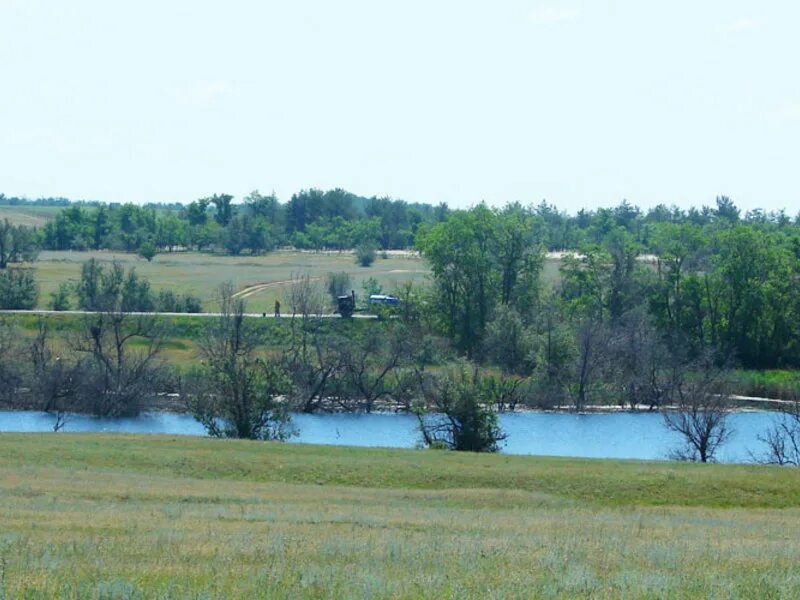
x=261, y=279
x=101, y=516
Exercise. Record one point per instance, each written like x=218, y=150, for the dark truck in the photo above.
x=346, y=305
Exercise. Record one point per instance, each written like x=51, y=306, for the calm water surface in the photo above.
x=604, y=435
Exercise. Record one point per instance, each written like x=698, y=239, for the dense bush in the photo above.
x=112, y=288
x=337, y=284
x=17, y=243
x=18, y=289
x=365, y=255
x=459, y=412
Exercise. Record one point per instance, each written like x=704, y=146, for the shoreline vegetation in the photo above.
x=689, y=313
x=173, y=404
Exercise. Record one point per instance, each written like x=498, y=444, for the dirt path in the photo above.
x=254, y=289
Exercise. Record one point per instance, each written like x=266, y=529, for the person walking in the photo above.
x=277, y=307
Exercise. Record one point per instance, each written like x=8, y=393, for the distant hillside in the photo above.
x=30, y=215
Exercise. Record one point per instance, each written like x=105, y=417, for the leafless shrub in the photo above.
x=783, y=438
x=700, y=417
x=640, y=368
x=10, y=374
x=54, y=378
x=368, y=361
x=592, y=340
x=120, y=366
x=313, y=357
x=306, y=298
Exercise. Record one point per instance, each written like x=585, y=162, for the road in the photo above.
x=173, y=314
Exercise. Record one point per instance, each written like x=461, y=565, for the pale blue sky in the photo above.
x=583, y=103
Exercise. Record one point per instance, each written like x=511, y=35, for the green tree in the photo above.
x=18, y=289
x=60, y=299
x=223, y=209
x=197, y=212
x=465, y=280
x=678, y=248
x=518, y=254
x=147, y=251
x=112, y=289
x=508, y=343
x=17, y=244
x=757, y=283
x=171, y=232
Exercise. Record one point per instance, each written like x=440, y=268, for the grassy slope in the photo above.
x=87, y=515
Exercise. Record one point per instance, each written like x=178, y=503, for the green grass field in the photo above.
x=261, y=278
x=98, y=516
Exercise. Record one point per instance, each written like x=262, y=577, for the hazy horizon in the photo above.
x=459, y=102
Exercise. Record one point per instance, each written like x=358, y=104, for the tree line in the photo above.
x=728, y=292
x=337, y=219
x=311, y=219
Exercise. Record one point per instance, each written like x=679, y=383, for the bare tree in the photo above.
x=306, y=298
x=405, y=385
x=370, y=359
x=700, y=417
x=120, y=366
x=54, y=380
x=313, y=358
x=640, y=366
x=783, y=438
x=507, y=392
x=10, y=375
x=592, y=344
x=236, y=392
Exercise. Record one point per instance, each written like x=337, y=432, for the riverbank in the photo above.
x=173, y=403
x=135, y=517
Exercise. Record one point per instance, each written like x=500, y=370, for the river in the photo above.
x=596, y=435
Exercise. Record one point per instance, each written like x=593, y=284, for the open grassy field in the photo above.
x=32, y=216
x=260, y=278
x=96, y=516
